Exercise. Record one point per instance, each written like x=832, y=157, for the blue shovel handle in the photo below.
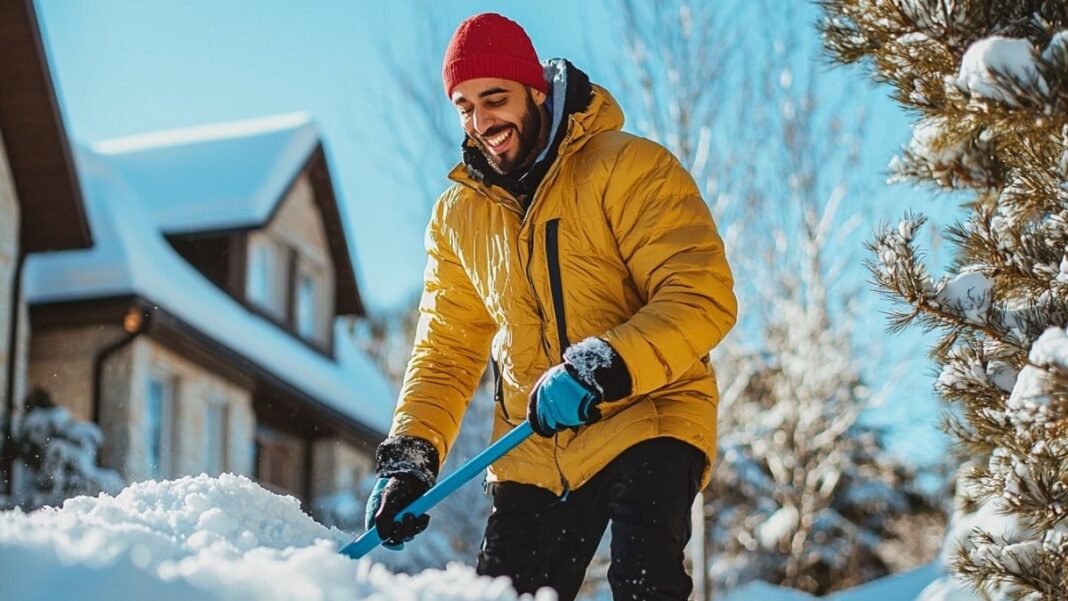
x=369, y=540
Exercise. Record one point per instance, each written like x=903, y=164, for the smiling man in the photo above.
x=583, y=262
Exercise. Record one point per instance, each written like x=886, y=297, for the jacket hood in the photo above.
x=579, y=110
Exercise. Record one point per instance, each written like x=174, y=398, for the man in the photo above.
x=584, y=262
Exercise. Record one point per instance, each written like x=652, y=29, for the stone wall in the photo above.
x=194, y=388
x=62, y=362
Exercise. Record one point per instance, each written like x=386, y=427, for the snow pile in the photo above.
x=994, y=66
x=219, y=538
x=903, y=586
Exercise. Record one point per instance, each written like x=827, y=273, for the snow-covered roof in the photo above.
x=132, y=257
x=210, y=177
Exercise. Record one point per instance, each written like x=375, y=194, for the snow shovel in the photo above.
x=368, y=541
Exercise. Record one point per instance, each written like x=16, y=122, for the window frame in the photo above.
x=217, y=405
x=161, y=467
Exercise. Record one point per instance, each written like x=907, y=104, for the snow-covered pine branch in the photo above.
x=989, y=81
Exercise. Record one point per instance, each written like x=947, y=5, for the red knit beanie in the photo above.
x=490, y=45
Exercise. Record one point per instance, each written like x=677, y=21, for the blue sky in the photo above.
x=126, y=67
x=131, y=66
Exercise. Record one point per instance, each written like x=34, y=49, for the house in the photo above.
x=205, y=330
x=40, y=201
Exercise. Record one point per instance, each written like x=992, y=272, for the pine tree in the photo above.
x=988, y=81
x=55, y=457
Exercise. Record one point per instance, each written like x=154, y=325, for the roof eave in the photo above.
x=53, y=215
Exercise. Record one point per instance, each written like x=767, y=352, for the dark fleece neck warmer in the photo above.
x=569, y=93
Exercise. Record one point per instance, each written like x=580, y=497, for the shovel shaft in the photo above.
x=369, y=540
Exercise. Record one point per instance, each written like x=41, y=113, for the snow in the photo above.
x=993, y=56
x=896, y=587
x=926, y=135
x=1057, y=44
x=131, y=257
x=779, y=527
x=947, y=589
x=904, y=586
x=206, y=538
x=217, y=176
x=766, y=592
x=992, y=518
x=587, y=356
x=1051, y=349
x=969, y=294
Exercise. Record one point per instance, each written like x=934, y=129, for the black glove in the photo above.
x=389, y=496
x=407, y=467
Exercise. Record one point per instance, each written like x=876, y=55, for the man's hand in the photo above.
x=388, y=497
x=561, y=401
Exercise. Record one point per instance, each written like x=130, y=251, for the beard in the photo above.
x=529, y=134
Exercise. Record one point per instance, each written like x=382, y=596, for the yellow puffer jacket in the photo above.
x=617, y=244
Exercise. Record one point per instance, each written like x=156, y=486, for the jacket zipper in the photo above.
x=556, y=284
x=534, y=293
x=556, y=287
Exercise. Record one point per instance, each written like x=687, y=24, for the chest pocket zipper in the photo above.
x=556, y=283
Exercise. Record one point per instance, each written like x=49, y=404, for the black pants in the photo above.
x=646, y=492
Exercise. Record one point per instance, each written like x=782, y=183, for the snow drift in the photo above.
x=222, y=538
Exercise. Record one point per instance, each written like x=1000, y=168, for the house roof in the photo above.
x=232, y=176
x=38, y=153
x=132, y=257
x=213, y=177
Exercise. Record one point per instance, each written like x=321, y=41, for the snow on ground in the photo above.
x=896, y=587
x=222, y=538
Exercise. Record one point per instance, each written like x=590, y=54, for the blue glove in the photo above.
x=561, y=401
x=388, y=497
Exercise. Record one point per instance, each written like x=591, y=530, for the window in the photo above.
x=158, y=425
x=278, y=460
x=265, y=285
x=215, y=422
x=307, y=326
